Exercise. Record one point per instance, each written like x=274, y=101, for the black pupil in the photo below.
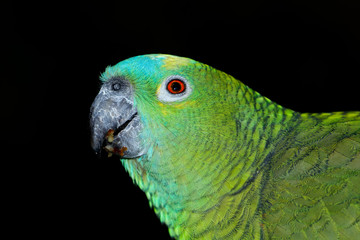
x=175, y=86
x=116, y=86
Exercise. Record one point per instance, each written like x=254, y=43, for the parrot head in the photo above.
x=154, y=105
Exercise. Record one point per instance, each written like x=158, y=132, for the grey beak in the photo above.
x=115, y=124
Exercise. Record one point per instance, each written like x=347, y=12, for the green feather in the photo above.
x=228, y=163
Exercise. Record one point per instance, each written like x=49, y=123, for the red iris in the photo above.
x=176, y=86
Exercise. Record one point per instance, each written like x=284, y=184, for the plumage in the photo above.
x=223, y=162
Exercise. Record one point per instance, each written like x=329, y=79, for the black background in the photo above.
x=303, y=55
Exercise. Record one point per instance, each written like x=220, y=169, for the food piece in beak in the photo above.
x=109, y=138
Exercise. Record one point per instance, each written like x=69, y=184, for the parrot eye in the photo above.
x=174, y=88
x=116, y=86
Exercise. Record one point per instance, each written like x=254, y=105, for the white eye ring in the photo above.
x=164, y=94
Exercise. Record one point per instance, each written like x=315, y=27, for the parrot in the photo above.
x=217, y=160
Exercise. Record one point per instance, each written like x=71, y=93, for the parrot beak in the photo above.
x=115, y=125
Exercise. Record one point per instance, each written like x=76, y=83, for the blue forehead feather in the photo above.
x=143, y=65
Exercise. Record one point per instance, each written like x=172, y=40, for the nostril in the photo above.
x=116, y=86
